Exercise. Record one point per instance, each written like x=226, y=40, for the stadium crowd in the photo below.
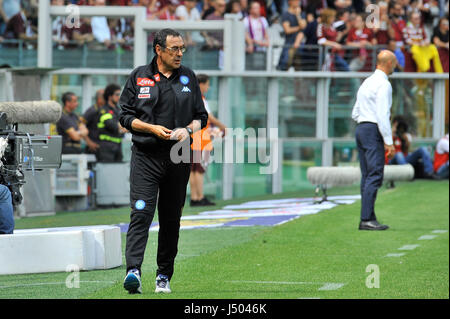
x=339, y=35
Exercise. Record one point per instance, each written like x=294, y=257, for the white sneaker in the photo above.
x=132, y=282
x=162, y=284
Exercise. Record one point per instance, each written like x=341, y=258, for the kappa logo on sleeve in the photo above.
x=156, y=77
x=145, y=82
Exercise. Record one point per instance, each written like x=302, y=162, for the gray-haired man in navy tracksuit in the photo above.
x=161, y=105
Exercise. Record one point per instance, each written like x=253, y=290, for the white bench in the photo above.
x=59, y=249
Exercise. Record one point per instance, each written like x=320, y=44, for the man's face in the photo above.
x=255, y=9
x=204, y=87
x=220, y=6
x=392, y=65
x=115, y=97
x=72, y=104
x=415, y=19
x=444, y=24
x=171, y=55
x=358, y=22
x=398, y=10
x=189, y=4
x=294, y=3
x=100, y=98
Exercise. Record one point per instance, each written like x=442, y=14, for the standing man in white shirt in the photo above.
x=374, y=135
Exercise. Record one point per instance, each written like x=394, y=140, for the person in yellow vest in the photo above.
x=201, y=147
x=110, y=132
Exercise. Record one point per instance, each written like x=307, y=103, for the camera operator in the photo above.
x=6, y=211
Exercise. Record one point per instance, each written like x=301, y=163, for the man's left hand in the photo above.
x=179, y=134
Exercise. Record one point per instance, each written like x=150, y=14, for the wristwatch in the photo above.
x=189, y=130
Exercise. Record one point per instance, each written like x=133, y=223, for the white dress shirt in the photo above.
x=373, y=104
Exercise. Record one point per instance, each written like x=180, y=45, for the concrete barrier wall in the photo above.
x=54, y=249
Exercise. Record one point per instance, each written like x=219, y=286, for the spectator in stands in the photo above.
x=256, y=26
x=397, y=24
x=293, y=25
x=342, y=5
x=83, y=34
x=429, y=10
x=121, y=32
x=207, y=8
x=91, y=118
x=150, y=7
x=6, y=211
x=100, y=28
x=421, y=49
x=60, y=33
x=327, y=36
x=168, y=12
x=8, y=9
x=441, y=158
x=420, y=159
x=70, y=126
x=310, y=53
x=20, y=27
x=440, y=40
x=362, y=38
x=189, y=12
x=244, y=8
x=398, y=54
x=381, y=30
x=214, y=39
x=234, y=7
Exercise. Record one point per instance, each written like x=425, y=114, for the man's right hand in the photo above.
x=161, y=132
x=390, y=151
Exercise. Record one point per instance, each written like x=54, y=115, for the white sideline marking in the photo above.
x=56, y=283
x=395, y=254
x=439, y=231
x=325, y=285
x=427, y=237
x=331, y=286
x=409, y=247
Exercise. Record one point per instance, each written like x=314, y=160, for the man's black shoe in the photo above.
x=195, y=202
x=372, y=225
x=205, y=202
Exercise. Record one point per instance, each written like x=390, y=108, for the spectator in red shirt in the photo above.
x=360, y=37
x=421, y=49
x=397, y=24
x=328, y=37
x=168, y=12
x=20, y=27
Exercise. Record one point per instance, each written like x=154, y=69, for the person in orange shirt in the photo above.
x=201, y=147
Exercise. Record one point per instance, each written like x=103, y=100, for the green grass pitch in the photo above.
x=315, y=256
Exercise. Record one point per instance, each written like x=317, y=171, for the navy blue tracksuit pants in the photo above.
x=155, y=181
x=371, y=158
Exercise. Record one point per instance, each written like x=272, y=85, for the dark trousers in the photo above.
x=371, y=158
x=150, y=174
x=109, y=152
